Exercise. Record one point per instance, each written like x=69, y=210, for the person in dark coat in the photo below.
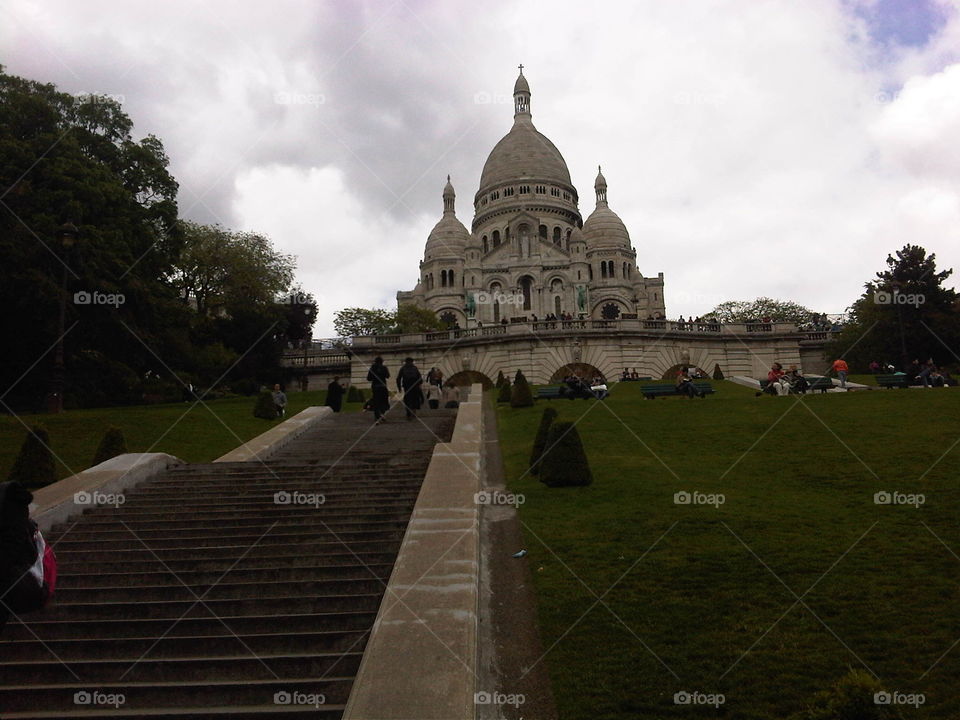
x=335, y=395
x=409, y=381
x=377, y=375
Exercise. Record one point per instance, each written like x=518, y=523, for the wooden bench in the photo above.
x=893, y=381
x=635, y=379
x=665, y=389
x=821, y=384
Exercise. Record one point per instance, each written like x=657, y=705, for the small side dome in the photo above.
x=604, y=228
x=521, y=85
x=449, y=237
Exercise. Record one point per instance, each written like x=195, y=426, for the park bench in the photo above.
x=646, y=378
x=554, y=392
x=665, y=389
x=893, y=381
x=821, y=384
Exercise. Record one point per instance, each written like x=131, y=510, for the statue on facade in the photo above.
x=581, y=298
x=471, y=305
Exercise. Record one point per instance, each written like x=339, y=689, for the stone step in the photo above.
x=120, y=525
x=281, y=534
x=175, y=645
x=154, y=696
x=247, y=712
x=40, y=628
x=213, y=512
x=242, y=666
x=82, y=564
x=335, y=547
x=267, y=604
x=224, y=590
x=73, y=580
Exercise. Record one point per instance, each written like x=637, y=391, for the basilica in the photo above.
x=529, y=254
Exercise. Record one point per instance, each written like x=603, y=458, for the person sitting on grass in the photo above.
x=685, y=385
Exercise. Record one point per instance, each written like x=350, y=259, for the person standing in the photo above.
x=279, y=400
x=377, y=375
x=840, y=367
x=335, y=395
x=409, y=381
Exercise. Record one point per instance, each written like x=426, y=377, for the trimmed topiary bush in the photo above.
x=717, y=372
x=521, y=395
x=519, y=378
x=264, y=407
x=850, y=698
x=500, y=379
x=112, y=444
x=34, y=466
x=564, y=462
x=540, y=441
x=504, y=395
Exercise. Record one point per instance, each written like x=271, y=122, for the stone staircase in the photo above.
x=206, y=594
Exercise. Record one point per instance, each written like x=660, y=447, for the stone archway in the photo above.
x=584, y=370
x=466, y=378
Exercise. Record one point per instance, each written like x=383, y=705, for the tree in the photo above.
x=743, y=311
x=351, y=322
x=503, y=395
x=521, y=394
x=112, y=444
x=300, y=313
x=564, y=462
x=220, y=269
x=34, y=466
x=412, y=319
x=73, y=158
x=904, y=313
x=265, y=408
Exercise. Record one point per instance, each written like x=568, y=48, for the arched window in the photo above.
x=448, y=319
x=556, y=236
x=496, y=238
x=590, y=272
x=450, y=282
x=556, y=306
x=603, y=270
x=485, y=248
x=556, y=286
x=495, y=292
x=526, y=286
x=543, y=232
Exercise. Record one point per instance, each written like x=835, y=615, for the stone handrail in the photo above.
x=585, y=326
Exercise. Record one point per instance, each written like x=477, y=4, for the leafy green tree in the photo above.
x=73, y=158
x=741, y=311
x=905, y=313
x=351, y=322
x=412, y=319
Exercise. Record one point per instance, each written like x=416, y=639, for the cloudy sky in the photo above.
x=739, y=138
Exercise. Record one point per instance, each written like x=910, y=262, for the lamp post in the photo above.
x=67, y=235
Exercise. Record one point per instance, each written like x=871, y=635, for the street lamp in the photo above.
x=67, y=235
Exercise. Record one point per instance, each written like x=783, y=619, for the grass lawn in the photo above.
x=200, y=433
x=641, y=598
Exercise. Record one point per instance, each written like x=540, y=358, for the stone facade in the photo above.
x=529, y=252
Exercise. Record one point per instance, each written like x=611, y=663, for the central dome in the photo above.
x=524, y=153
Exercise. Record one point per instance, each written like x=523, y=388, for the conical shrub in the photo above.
x=540, y=441
x=504, y=395
x=500, y=379
x=564, y=462
x=265, y=408
x=717, y=372
x=34, y=466
x=521, y=395
x=112, y=444
x=519, y=378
